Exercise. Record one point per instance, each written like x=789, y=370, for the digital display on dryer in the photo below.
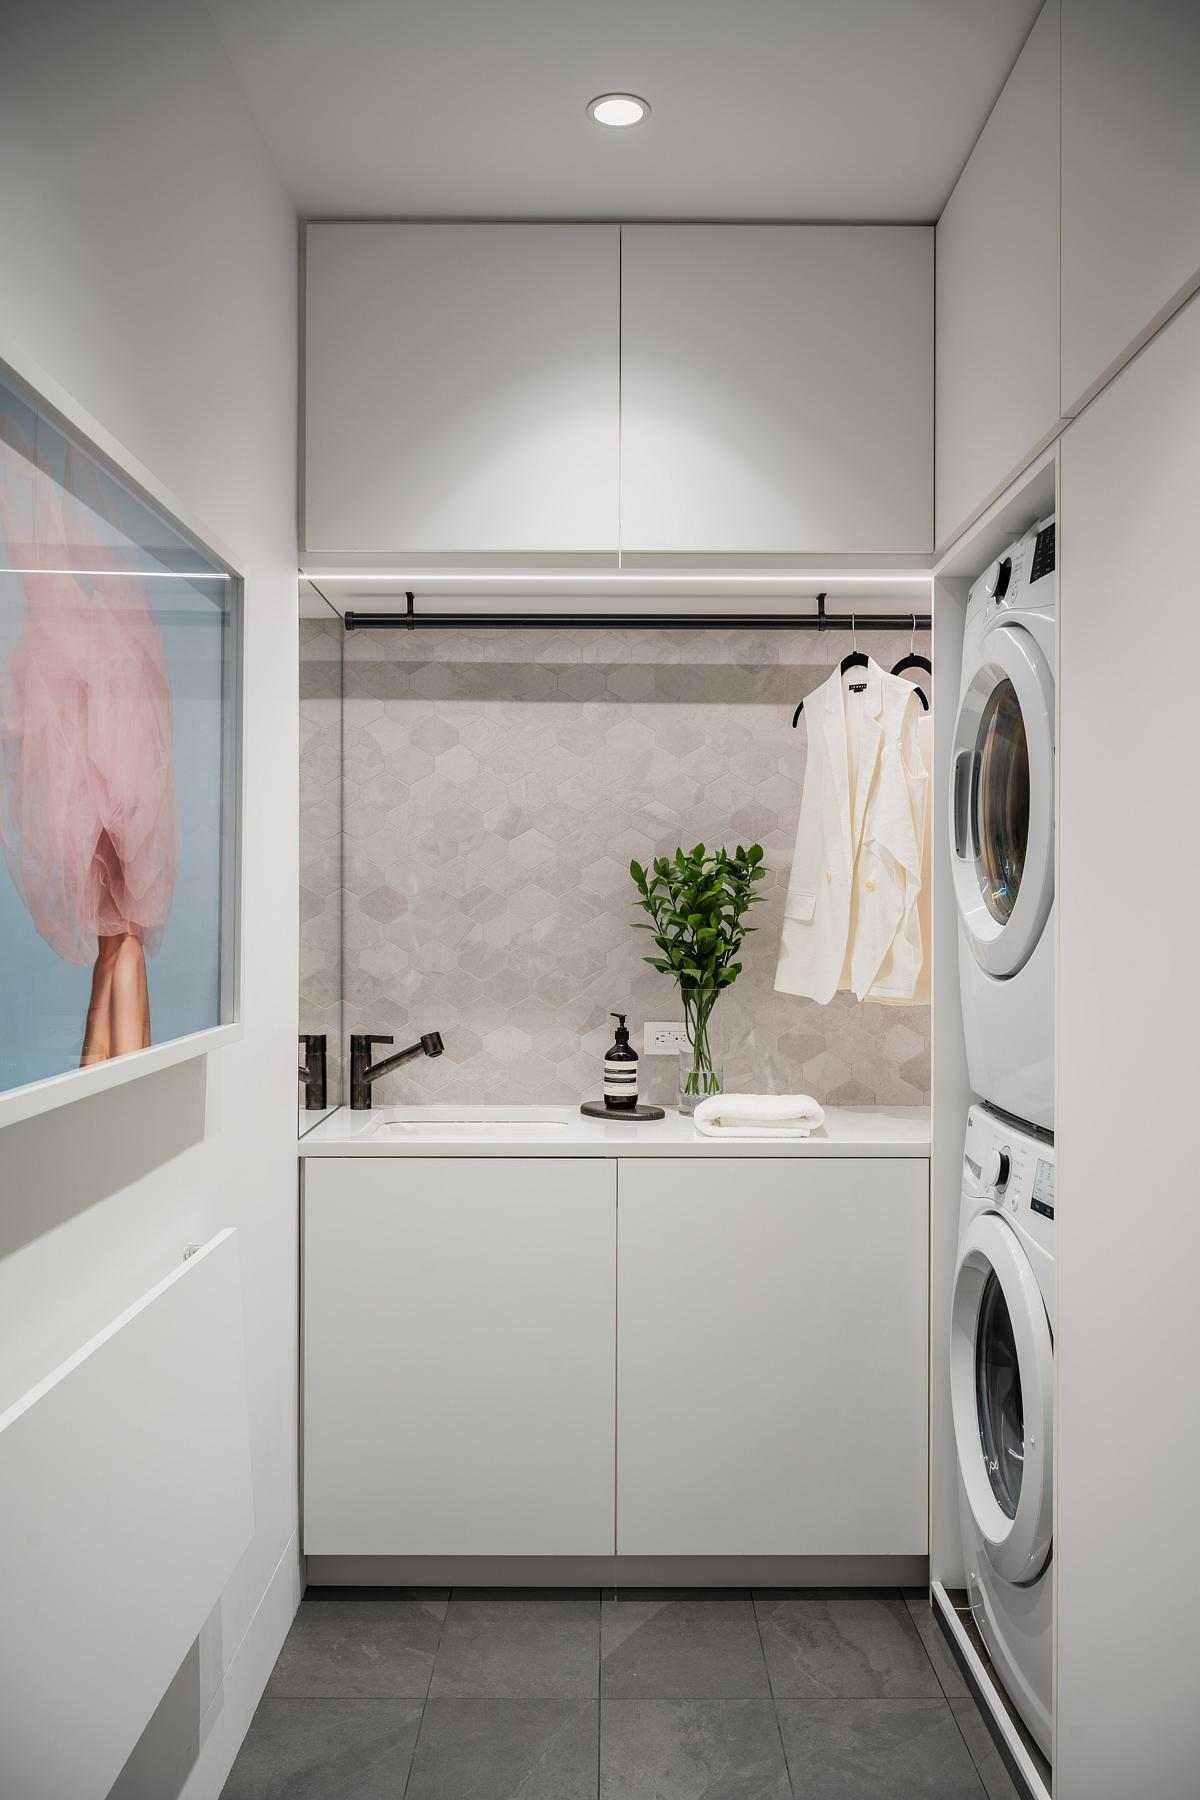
x=1043, y=554
x=1043, y=1189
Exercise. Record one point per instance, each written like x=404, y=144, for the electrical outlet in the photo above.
x=659, y=1039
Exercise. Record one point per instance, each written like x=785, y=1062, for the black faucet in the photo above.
x=363, y=1071
x=312, y=1071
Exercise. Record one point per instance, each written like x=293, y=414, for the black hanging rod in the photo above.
x=411, y=620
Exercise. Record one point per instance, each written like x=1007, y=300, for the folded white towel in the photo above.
x=759, y=1116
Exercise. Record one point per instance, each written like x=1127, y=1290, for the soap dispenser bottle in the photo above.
x=620, y=1071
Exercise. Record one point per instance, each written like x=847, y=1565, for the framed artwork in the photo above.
x=120, y=737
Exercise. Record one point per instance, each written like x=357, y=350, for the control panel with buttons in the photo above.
x=1011, y=1170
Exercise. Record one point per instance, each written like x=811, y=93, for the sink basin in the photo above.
x=487, y=1128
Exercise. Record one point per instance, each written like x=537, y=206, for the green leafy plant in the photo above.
x=698, y=901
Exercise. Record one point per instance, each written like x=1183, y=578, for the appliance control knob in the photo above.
x=997, y=1167
x=997, y=578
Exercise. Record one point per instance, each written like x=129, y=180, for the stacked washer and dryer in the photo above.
x=1002, y=1330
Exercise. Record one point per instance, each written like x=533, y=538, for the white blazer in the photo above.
x=851, y=918
x=889, y=983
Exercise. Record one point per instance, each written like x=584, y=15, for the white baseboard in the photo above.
x=231, y=1709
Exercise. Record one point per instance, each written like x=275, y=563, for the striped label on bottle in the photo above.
x=620, y=1080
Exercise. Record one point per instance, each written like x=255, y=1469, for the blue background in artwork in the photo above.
x=43, y=1000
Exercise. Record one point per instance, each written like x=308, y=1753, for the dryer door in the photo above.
x=1002, y=801
x=1001, y=1388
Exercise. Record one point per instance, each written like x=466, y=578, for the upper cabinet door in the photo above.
x=462, y=388
x=1130, y=178
x=776, y=386
x=997, y=291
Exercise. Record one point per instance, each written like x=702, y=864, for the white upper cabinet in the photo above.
x=462, y=388
x=1130, y=178
x=997, y=291
x=776, y=388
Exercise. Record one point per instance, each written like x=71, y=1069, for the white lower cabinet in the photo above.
x=459, y=1320
x=736, y=1347
x=772, y=1364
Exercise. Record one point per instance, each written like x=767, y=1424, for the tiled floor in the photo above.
x=811, y=1694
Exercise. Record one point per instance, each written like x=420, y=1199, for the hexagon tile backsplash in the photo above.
x=497, y=784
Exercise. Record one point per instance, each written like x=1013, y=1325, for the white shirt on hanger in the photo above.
x=851, y=918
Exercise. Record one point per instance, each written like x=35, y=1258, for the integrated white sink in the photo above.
x=471, y=1128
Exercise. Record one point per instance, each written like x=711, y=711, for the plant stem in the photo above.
x=698, y=1006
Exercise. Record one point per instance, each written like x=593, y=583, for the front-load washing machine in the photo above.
x=1001, y=1389
x=1002, y=829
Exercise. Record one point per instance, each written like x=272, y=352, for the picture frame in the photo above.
x=186, y=593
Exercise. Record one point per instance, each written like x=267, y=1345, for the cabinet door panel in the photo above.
x=1127, y=1459
x=997, y=291
x=1130, y=177
x=462, y=388
x=772, y=1386
x=458, y=1357
x=776, y=388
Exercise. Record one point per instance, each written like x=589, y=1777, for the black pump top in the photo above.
x=622, y=1029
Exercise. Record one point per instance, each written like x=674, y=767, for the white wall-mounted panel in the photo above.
x=1130, y=178
x=776, y=389
x=997, y=291
x=1127, y=1464
x=126, y=1504
x=130, y=153
x=954, y=1097
x=459, y=1321
x=773, y=1358
x=461, y=387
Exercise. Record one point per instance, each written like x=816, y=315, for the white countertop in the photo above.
x=564, y=1131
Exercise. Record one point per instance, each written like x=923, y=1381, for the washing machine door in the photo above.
x=1002, y=800
x=1001, y=1389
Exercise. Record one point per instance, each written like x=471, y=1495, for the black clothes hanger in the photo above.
x=915, y=661
x=853, y=660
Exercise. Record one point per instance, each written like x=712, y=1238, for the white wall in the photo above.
x=150, y=267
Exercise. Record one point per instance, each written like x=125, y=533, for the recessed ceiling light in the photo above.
x=618, y=109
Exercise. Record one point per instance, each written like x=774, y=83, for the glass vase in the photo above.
x=699, y=1075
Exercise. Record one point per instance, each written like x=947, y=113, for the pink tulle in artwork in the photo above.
x=88, y=817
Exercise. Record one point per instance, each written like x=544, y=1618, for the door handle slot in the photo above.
x=966, y=780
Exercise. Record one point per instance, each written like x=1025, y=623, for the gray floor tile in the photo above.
x=876, y=1750
x=506, y=1750
x=691, y=1750
x=518, y=1648
x=846, y=1642
x=346, y=1648
x=998, y=1783
x=727, y=1596
x=665, y=1649
x=930, y=1633
x=326, y=1750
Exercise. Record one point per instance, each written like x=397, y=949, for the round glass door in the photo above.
x=1000, y=825
x=1001, y=1393
x=1000, y=1415
x=1002, y=801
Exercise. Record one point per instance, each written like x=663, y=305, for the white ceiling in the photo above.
x=762, y=109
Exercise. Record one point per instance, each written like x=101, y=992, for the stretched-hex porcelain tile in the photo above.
x=522, y=772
